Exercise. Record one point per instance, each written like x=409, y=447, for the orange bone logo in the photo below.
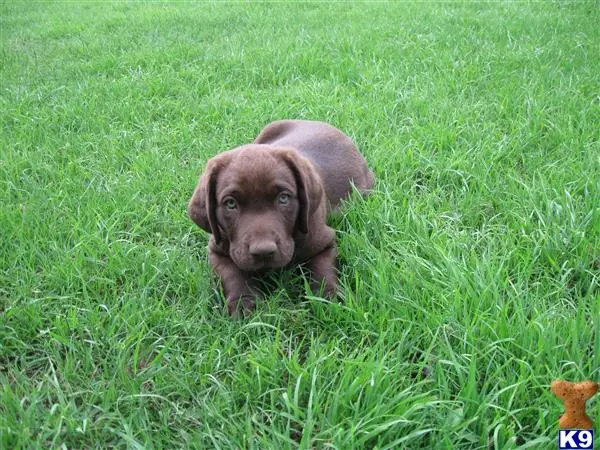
x=574, y=396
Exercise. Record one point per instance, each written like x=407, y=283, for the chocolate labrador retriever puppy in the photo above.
x=266, y=205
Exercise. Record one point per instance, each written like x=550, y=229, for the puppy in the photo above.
x=266, y=204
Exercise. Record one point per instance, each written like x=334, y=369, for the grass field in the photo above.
x=471, y=276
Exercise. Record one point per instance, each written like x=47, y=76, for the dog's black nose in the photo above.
x=263, y=249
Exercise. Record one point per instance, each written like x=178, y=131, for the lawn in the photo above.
x=471, y=276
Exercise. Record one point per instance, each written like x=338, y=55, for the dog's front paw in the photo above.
x=328, y=287
x=240, y=306
x=331, y=291
x=324, y=272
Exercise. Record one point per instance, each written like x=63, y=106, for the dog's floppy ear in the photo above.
x=309, y=186
x=197, y=206
x=202, y=207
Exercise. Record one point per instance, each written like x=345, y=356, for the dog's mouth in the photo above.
x=262, y=266
x=248, y=263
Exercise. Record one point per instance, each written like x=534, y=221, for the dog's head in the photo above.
x=257, y=198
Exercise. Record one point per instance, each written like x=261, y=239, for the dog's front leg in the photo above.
x=236, y=284
x=324, y=271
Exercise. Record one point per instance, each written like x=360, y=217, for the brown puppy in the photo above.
x=266, y=204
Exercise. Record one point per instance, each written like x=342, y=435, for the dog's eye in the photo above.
x=230, y=203
x=284, y=198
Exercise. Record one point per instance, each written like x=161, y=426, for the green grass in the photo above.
x=470, y=277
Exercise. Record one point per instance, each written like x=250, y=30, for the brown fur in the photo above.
x=266, y=203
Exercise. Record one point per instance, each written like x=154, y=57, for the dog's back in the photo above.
x=334, y=155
